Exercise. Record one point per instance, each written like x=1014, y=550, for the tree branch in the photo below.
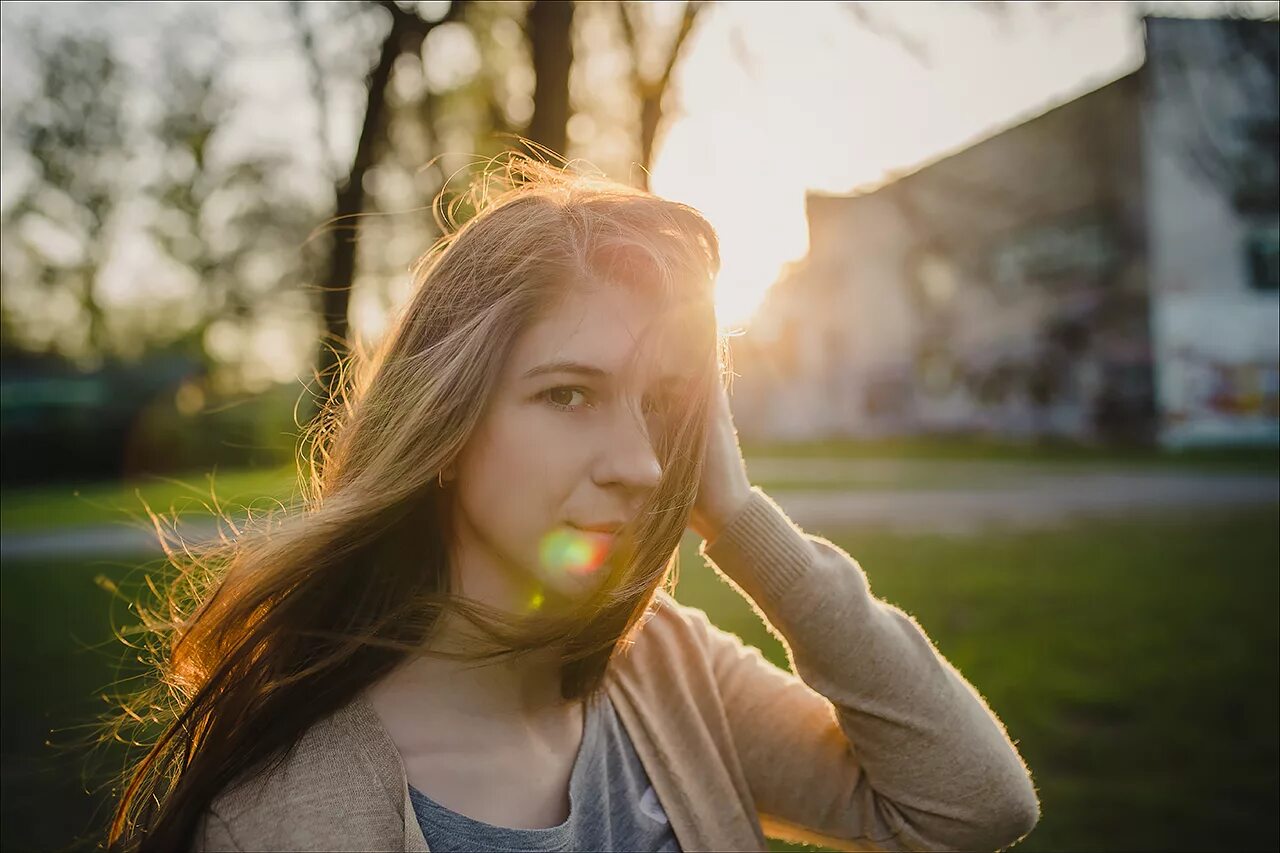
x=878, y=26
x=691, y=10
x=413, y=24
x=633, y=44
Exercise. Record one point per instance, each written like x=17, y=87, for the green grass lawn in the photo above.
x=58, y=657
x=112, y=502
x=1135, y=665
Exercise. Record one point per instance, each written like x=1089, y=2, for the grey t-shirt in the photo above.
x=612, y=806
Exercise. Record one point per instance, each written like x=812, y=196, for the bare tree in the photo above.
x=650, y=89
x=405, y=35
x=1226, y=83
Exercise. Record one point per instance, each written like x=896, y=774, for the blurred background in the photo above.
x=1003, y=282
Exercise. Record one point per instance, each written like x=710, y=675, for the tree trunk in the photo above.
x=405, y=36
x=349, y=202
x=549, y=29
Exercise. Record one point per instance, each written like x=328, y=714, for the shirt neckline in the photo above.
x=541, y=838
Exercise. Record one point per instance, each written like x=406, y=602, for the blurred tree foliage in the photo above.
x=121, y=196
x=236, y=224
x=136, y=232
x=57, y=232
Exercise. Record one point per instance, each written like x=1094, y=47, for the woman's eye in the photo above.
x=562, y=398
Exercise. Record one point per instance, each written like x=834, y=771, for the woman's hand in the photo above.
x=725, y=487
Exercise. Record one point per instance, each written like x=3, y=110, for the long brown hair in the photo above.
x=261, y=635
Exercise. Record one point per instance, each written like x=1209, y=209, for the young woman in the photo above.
x=465, y=641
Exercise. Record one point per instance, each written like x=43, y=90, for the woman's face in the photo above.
x=566, y=441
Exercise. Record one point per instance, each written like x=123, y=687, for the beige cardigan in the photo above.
x=882, y=745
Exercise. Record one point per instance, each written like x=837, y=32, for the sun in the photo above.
x=755, y=243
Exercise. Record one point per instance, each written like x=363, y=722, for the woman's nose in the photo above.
x=628, y=457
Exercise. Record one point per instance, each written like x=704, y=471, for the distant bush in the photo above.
x=146, y=418
x=246, y=431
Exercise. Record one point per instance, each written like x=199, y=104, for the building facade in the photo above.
x=1059, y=278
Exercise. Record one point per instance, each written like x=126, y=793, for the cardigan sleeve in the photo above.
x=880, y=743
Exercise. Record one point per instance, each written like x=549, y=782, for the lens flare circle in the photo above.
x=569, y=551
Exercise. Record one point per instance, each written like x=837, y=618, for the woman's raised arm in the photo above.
x=880, y=742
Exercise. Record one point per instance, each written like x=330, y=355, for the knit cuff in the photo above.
x=761, y=549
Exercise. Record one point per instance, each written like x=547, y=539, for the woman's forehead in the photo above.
x=606, y=332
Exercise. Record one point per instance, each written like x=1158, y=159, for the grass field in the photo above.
x=66, y=504
x=1135, y=665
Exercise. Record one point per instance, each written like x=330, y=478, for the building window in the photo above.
x=1256, y=170
x=1066, y=251
x=1262, y=255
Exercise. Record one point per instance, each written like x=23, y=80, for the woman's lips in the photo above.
x=594, y=534
x=611, y=528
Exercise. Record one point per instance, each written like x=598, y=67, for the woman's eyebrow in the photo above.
x=567, y=367
x=672, y=381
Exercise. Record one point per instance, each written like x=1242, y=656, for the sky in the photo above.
x=772, y=100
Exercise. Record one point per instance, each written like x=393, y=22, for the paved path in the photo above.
x=967, y=496
x=960, y=497
x=1040, y=502
x=108, y=540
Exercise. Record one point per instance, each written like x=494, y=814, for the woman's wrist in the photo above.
x=710, y=522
